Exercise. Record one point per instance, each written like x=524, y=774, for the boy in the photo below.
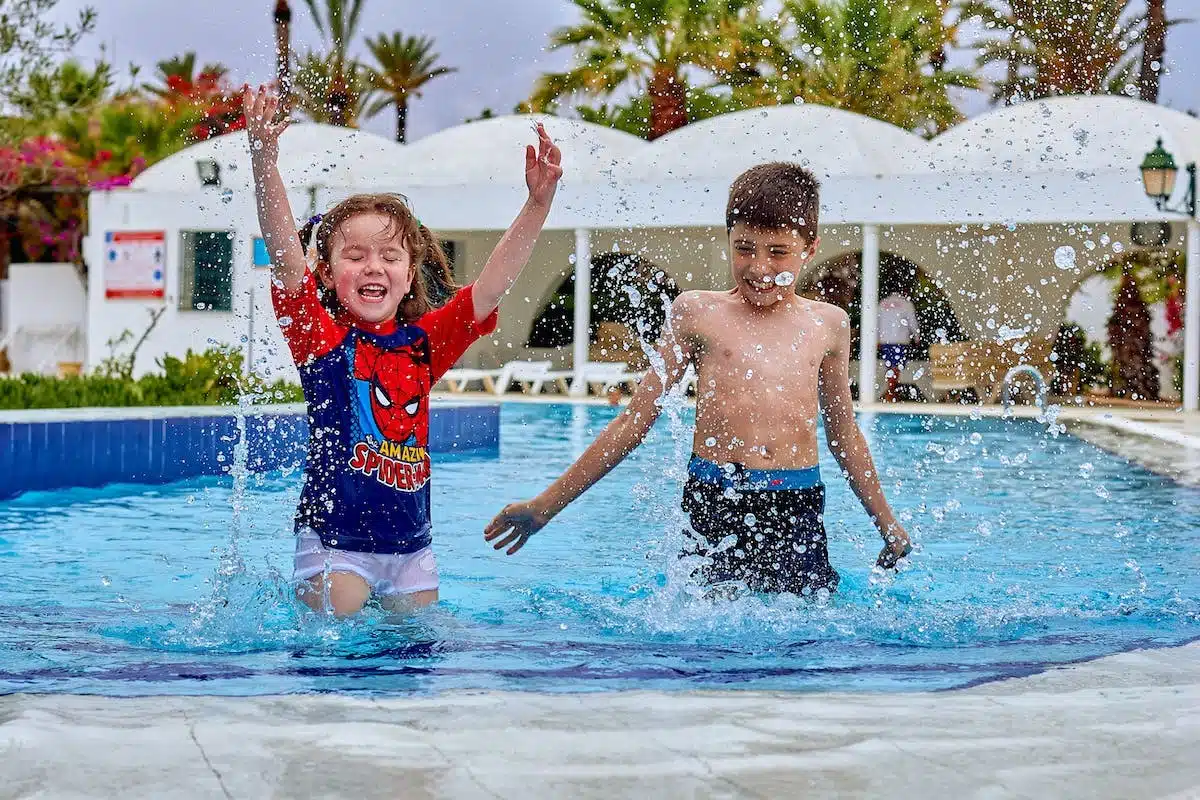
x=766, y=361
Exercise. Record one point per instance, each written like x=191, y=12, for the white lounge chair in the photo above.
x=459, y=379
x=529, y=375
x=601, y=376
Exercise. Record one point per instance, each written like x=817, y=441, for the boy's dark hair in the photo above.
x=774, y=196
x=432, y=283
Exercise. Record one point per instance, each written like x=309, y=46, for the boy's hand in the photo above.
x=543, y=168
x=260, y=108
x=515, y=524
x=898, y=546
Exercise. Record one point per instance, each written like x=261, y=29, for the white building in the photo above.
x=987, y=210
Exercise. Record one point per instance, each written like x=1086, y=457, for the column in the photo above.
x=1191, y=320
x=869, y=332
x=583, y=308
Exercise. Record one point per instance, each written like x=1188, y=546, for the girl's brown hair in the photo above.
x=432, y=283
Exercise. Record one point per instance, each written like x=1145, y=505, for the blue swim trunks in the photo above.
x=776, y=517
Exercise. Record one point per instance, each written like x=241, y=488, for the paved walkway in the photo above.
x=1122, y=727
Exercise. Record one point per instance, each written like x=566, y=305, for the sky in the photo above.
x=498, y=46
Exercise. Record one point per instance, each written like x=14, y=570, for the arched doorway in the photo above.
x=630, y=298
x=839, y=280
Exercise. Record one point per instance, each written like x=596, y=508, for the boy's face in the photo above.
x=767, y=262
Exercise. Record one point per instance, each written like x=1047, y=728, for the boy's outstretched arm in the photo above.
x=543, y=168
x=518, y=521
x=849, y=446
x=274, y=212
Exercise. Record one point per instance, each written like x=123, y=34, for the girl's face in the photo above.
x=370, y=268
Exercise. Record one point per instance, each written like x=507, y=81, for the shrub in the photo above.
x=213, y=377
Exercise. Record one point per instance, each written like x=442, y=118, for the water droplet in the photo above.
x=750, y=520
x=785, y=279
x=976, y=438
x=1064, y=257
x=1102, y=493
x=227, y=196
x=710, y=441
x=105, y=580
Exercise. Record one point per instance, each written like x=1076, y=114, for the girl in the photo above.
x=370, y=345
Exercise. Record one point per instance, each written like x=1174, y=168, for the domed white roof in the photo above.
x=309, y=154
x=1089, y=133
x=828, y=140
x=493, y=151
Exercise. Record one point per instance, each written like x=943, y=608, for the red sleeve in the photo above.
x=309, y=329
x=452, y=329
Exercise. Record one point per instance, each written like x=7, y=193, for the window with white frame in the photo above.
x=206, y=271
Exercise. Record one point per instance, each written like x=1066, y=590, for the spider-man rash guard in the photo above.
x=366, y=478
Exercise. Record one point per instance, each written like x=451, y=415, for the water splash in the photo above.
x=230, y=565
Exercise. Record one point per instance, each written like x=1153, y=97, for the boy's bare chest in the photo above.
x=743, y=352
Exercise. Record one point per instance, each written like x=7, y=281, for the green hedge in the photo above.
x=211, y=378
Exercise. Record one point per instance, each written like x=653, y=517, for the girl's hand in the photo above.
x=260, y=108
x=515, y=524
x=543, y=168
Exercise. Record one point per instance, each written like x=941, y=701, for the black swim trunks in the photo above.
x=776, y=519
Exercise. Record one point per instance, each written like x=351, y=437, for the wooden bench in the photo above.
x=981, y=365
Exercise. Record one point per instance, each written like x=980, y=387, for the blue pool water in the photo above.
x=1034, y=549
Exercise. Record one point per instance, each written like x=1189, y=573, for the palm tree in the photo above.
x=633, y=116
x=331, y=93
x=651, y=47
x=338, y=24
x=1080, y=47
x=178, y=78
x=282, y=18
x=881, y=58
x=1154, y=50
x=403, y=64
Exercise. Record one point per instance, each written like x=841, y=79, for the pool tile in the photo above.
x=50, y=455
x=77, y=453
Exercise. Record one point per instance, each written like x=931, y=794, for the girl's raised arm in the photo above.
x=543, y=168
x=274, y=212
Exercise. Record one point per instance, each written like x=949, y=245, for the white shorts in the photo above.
x=385, y=573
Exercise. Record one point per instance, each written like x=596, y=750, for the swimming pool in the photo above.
x=1034, y=549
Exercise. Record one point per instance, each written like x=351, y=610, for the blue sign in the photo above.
x=261, y=257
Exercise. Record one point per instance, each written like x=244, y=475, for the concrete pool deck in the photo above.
x=1118, y=727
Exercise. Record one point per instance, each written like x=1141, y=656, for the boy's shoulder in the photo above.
x=827, y=311
x=694, y=301
x=700, y=308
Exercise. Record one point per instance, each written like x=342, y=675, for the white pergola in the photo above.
x=1062, y=161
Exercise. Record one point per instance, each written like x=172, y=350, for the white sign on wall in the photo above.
x=135, y=264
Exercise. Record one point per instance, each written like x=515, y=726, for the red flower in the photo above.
x=1174, y=307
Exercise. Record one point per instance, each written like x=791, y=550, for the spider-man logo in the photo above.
x=399, y=388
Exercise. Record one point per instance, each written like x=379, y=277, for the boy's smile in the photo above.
x=767, y=263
